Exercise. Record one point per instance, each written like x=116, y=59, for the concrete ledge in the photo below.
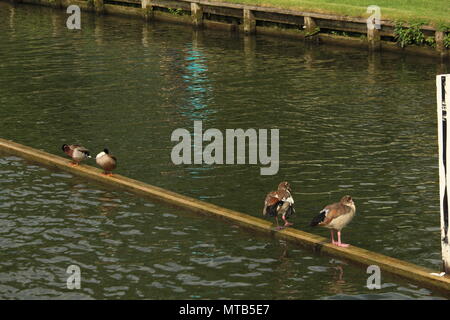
x=360, y=256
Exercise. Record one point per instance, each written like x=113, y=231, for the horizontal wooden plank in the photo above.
x=172, y=4
x=227, y=12
x=279, y=17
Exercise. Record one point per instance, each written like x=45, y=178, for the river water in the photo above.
x=350, y=123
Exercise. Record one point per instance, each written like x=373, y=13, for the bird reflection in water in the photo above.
x=108, y=205
x=337, y=285
x=284, y=286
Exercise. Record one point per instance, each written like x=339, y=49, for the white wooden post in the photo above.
x=196, y=14
x=443, y=100
x=147, y=9
x=249, y=21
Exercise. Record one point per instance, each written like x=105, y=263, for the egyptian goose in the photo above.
x=107, y=161
x=335, y=217
x=278, y=203
x=76, y=152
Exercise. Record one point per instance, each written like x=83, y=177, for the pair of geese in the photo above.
x=334, y=216
x=79, y=153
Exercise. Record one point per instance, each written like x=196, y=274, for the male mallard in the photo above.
x=107, y=161
x=76, y=152
x=335, y=217
x=280, y=202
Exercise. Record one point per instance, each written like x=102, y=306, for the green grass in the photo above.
x=432, y=12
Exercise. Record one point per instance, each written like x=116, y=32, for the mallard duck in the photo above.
x=335, y=217
x=280, y=203
x=107, y=161
x=76, y=152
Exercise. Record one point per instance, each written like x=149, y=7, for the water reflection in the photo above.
x=57, y=24
x=249, y=52
x=198, y=85
x=337, y=284
x=108, y=204
x=145, y=35
x=98, y=31
x=12, y=12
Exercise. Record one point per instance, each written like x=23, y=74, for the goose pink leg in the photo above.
x=278, y=225
x=339, y=243
x=286, y=223
x=332, y=237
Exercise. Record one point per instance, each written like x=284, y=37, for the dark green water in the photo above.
x=349, y=124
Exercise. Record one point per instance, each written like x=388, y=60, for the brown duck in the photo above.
x=76, y=152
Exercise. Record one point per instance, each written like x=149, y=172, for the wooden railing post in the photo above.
x=147, y=9
x=310, y=25
x=197, y=14
x=374, y=38
x=311, y=29
x=440, y=47
x=249, y=22
x=99, y=7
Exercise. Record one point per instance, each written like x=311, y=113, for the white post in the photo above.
x=443, y=100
